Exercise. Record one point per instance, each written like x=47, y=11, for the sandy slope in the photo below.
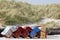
x=48, y=37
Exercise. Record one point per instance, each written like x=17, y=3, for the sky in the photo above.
x=41, y=1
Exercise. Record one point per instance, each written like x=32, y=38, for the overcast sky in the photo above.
x=41, y=1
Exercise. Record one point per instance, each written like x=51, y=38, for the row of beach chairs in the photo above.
x=27, y=31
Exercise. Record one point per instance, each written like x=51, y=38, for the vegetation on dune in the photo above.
x=19, y=13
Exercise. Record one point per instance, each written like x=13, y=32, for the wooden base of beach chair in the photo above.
x=43, y=32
